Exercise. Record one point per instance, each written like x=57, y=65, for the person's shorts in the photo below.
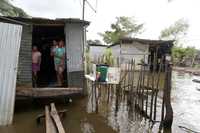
x=59, y=68
x=35, y=67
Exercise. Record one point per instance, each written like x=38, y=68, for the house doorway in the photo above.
x=43, y=37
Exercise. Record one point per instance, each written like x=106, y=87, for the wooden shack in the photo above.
x=41, y=32
x=141, y=50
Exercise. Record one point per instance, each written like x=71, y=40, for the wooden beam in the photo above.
x=56, y=119
x=50, y=126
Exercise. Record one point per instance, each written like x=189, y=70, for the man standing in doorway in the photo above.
x=36, y=61
x=54, y=47
x=59, y=60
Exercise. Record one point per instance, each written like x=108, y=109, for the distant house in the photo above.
x=96, y=50
x=197, y=58
x=140, y=49
x=191, y=61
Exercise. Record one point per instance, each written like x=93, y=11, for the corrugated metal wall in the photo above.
x=74, y=47
x=24, y=75
x=10, y=37
x=74, y=50
x=134, y=51
x=127, y=52
x=97, y=51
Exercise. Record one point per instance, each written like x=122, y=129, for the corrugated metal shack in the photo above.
x=96, y=50
x=17, y=36
x=141, y=49
x=41, y=32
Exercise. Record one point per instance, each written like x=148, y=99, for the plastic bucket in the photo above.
x=102, y=69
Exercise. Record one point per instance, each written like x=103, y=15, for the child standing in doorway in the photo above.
x=36, y=61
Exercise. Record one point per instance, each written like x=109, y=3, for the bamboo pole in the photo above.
x=143, y=79
x=148, y=80
x=152, y=94
x=157, y=88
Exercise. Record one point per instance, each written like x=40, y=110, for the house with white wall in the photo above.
x=140, y=50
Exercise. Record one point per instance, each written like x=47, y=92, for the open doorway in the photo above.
x=43, y=37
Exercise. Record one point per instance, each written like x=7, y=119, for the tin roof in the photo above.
x=143, y=41
x=46, y=21
x=100, y=45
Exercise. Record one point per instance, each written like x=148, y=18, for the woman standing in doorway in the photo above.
x=59, y=60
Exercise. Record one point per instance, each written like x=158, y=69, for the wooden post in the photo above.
x=157, y=88
x=133, y=86
x=96, y=98
x=133, y=72
x=143, y=80
x=152, y=86
x=138, y=87
x=117, y=99
x=92, y=94
x=108, y=94
x=167, y=98
x=147, y=93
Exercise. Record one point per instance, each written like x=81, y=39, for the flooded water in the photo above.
x=113, y=114
x=186, y=102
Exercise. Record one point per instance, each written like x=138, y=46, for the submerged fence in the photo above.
x=145, y=87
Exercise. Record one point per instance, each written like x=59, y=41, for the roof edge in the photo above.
x=39, y=20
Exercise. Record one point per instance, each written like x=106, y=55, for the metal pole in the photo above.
x=83, y=10
x=83, y=41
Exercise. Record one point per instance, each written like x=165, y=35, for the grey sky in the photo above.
x=155, y=14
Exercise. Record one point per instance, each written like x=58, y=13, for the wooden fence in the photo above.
x=142, y=88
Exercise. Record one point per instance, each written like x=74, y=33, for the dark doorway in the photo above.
x=43, y=37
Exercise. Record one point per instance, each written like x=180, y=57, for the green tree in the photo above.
x=178, y=54
x=190, y=51
x=176, y=31
x=123, y=27
x=7, y=9
x=108, y=57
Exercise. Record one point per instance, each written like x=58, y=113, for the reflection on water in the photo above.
x=186, y=101
x=118, y=112
x=110, y=113
x=125, y=119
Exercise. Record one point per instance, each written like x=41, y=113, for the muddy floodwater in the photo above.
x=83, y=116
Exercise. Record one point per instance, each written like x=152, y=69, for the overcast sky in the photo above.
x=155, y=14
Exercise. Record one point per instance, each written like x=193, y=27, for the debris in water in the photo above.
x=188, y=130
x=196, y=80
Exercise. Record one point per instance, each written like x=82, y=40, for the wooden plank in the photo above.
x=48, y=92
x=50, y=126
x=89, y=77
x=56, y=119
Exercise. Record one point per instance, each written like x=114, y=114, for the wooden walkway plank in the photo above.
x=47, y=92
x=50, y=127
x=56, y=118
